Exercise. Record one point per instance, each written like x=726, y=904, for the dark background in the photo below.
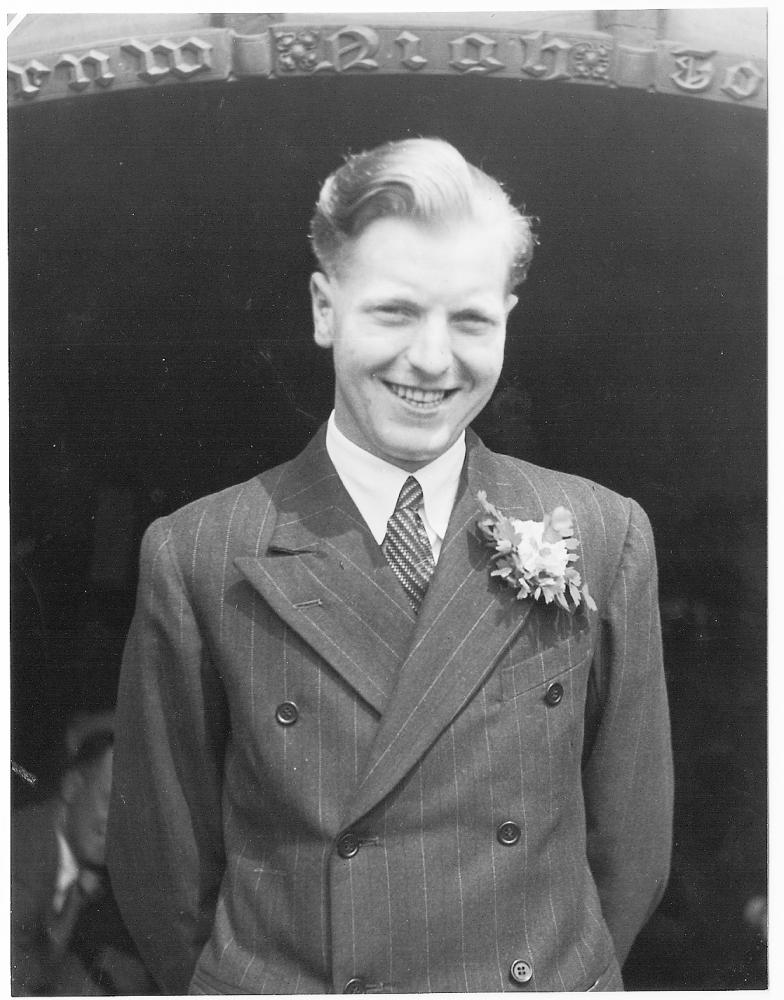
x=160, y=349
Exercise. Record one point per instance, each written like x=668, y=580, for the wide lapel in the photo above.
x=323, y=573
x=466, y=622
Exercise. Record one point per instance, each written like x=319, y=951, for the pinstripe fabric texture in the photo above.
x=421, y=736
x=406, y=545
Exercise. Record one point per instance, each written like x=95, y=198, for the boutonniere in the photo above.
x=535, y=557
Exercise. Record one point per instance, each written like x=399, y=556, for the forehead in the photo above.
x=401, y=251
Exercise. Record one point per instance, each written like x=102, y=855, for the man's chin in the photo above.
x=411, y=456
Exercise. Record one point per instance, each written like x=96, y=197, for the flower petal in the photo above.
x=588, y=599
x=563, y=522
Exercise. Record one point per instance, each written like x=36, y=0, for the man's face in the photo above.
x=416, y=321
x=86, y=795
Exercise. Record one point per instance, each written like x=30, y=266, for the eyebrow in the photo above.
x=395, y=300
x=472, y=311
x=392, y=302
x=475, y=313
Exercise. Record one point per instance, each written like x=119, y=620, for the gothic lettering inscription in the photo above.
x=354, y=48
x=163, y=58
x=28, y=78
x=79, y=79
x=345, y=49
x=533, y=50
x=411, y=56
x=349, y=48
x=474, y=54
x=742, y=81
x=695, y=71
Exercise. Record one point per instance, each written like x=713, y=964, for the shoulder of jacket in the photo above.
x=233, y=503
x=580, y=489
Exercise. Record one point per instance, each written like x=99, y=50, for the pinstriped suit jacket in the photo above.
x=420, y=736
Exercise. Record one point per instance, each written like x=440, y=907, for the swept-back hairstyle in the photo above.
x=424, y=180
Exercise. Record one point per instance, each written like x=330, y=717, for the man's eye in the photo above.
x=473, y=322
x=394, y=313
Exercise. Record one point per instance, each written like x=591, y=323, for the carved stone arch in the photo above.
x=610, y=49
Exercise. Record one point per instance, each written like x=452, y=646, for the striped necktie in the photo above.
x=406, y=545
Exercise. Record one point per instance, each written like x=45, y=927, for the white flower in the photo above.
x=533, y=557
x=536, y=555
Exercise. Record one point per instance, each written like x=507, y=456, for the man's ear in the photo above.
x=321, y=299
x=511, y=302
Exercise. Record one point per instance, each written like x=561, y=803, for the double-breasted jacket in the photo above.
x=317, y=791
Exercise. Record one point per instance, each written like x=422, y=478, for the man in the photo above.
x=351, y=759
x=67, y=939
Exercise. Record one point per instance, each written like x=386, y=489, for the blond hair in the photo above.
x=425, y=180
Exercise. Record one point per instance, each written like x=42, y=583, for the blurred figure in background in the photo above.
x=67, y=936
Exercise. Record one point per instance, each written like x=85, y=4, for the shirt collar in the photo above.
x=67, y=868
x=374, y=485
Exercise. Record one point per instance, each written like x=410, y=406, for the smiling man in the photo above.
x=392, y=716
x=416, y=319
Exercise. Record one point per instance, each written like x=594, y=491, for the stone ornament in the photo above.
x=285, y=50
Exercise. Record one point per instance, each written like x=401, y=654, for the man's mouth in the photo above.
x=419, y=397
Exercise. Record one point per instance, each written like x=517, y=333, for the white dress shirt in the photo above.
x=374, y=485
x=67, y=871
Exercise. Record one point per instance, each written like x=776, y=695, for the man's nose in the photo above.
x=430, y=350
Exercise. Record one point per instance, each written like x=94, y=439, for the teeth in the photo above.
x=412, y=395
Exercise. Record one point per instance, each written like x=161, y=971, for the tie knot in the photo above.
x=411, y=496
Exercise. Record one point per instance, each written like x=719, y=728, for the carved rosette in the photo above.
x=297, y=50
x=591, y=60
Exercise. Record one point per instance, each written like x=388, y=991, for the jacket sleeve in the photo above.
x=30, y=966
x=628, y=776
x=165, y=849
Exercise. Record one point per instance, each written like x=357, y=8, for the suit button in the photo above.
x=554, y=693
x=348, y=846
x=356, y=985
x=520, y=971
x=508, y=833
x=287, y=713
